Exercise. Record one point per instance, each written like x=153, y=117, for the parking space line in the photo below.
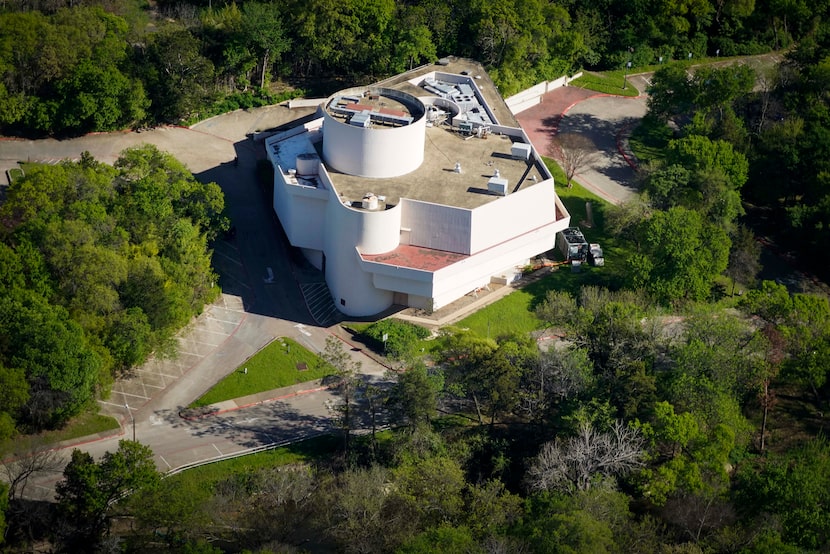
x=132, y=394
x=191, y=354
x=240, y=282
x=165, y=375
x=110, y=403
x=221, y=333
x=232, y=260
x=223, y=320
x=213, y=344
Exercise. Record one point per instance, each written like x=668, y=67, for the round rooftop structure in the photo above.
x=374, y=132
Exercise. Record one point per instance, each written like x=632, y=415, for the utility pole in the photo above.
x=126, y=405
x=625, y=73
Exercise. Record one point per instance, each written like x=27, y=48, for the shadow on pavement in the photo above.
x=255, y=261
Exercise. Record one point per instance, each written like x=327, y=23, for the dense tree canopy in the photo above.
x=100, y=266
x=77, y=68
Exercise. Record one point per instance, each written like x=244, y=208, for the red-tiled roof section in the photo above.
x=363, y=107
x=416, y=257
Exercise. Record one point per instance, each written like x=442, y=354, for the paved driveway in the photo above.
x=605, y=119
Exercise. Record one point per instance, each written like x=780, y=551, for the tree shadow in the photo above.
x=260, y=425
x=605, y=135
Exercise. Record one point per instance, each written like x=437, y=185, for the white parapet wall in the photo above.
x=533, y=95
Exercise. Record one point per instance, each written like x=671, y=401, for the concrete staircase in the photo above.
x=320, y=303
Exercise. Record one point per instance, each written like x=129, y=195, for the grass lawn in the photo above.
x=81, y=426
x=609, y=82
x=276, y=365
x=511, y=315
x=308, y=451
x=300, y=452
x=14, y=174
x=514, y=314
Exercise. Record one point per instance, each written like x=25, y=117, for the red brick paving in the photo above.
x=540, y=121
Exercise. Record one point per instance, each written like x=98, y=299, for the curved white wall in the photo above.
x=374, y=151
x=347, y=228
x=379, y=231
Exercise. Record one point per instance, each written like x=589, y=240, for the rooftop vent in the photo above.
x=370, y=201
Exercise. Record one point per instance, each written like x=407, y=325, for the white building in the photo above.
x=414, y=191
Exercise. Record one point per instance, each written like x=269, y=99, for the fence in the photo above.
x=532, y=96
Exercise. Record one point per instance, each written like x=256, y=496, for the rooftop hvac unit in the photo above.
x=520, y=151
x=361, y=119
x=307, y=164
x=497, y=185
x=370, y=201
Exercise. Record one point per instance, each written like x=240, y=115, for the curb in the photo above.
x=629, y=158
x=249, y=404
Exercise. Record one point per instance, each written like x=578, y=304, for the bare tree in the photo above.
x=570, y=465
x=282, y=503
x=345, y=381
x=28, y=517
x=573, y=151
x=560, y=374
x=20, y=469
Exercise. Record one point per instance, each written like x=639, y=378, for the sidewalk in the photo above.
x=466, y=305
x=272, y=395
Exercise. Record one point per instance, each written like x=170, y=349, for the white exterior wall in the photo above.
x=452, y=282
x=513, y=215
x=437, y=226
x=301, y=211
x=533, y=95
x=373, y=151
x=346, y=228
x=456, y=280
x=379, y=231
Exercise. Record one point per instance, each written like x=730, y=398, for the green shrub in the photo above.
x=402, y=337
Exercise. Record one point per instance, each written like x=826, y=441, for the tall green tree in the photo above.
x=179, y=77
x=90, y=489
x=413, y=398
x=682, y=255
x=794, y=487
x=60, y=365
x=345, y=380
x=262, y=25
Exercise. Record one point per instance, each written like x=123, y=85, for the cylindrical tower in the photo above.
x=374, y=132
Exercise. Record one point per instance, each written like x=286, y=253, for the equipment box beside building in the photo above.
x=571, y=242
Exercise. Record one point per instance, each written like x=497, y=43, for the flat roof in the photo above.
x=436, y=179
x=416, y=257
